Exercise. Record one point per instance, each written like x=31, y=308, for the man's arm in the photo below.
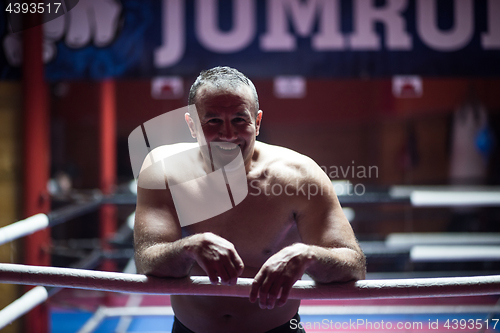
x=160, y=249
x=328, y=252
x=336, y=255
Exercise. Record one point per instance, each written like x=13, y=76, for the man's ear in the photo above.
x=191, y=125
x=258, y=121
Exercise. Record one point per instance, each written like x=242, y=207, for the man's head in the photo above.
x=229, y=116
x=222, y=78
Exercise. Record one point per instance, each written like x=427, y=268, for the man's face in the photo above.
x=227, y=118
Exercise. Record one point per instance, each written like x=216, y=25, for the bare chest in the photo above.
x=259, y=226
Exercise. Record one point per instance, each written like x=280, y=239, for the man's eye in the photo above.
x=239, y=120
x=214, y=121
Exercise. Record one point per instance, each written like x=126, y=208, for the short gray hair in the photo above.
x=221, y=77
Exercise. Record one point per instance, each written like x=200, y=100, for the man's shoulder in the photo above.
x=277, y=153
x=285, y=161
x=153, y=174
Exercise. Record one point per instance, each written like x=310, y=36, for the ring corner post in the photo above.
x=36, y=159
x=107, y=124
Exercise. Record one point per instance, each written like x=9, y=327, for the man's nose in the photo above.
x=227, y=131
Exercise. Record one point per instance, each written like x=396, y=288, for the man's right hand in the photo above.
x=217, y=257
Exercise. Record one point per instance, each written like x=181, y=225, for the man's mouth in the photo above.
x=227, y=147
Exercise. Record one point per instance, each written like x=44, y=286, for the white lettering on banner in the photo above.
x=329, y=36
x=302, y=15
x=365, y=16
x=453, y=39
x=173, y=32
x=212, y=38
x=491, y=39
x=288, y=19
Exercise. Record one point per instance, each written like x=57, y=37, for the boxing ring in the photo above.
x=56, y=278
x=200, y=285
x=141, y=284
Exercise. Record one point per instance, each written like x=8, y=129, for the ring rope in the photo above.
x=142, y=284
x=41, y=221
x=23, y=228
x=22, y=305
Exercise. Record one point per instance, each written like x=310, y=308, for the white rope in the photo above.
x=429, y=253
x=22, y=305
x=135, y=283
x=23, y=228
x=454, y=199
x=405, y=241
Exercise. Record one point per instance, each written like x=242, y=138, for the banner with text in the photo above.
x=265, y=38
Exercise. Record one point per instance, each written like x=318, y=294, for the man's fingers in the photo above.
x=239, y=266
x=271, y=289
x=254, y=292
x=222, y=271
x=227, y=271
x=237, y=262
x=232, y=271
x=212, y=275
x=264, y=292
x=218, y=258
x=210, y=270
x=285, y=292
x=233, y=276
x=273, y=293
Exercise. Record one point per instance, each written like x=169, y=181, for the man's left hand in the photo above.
x=278, y=274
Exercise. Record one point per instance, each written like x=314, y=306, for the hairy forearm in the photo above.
x=335, y=264
x=165, y=259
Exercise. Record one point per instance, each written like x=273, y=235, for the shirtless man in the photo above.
x=273, y=239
